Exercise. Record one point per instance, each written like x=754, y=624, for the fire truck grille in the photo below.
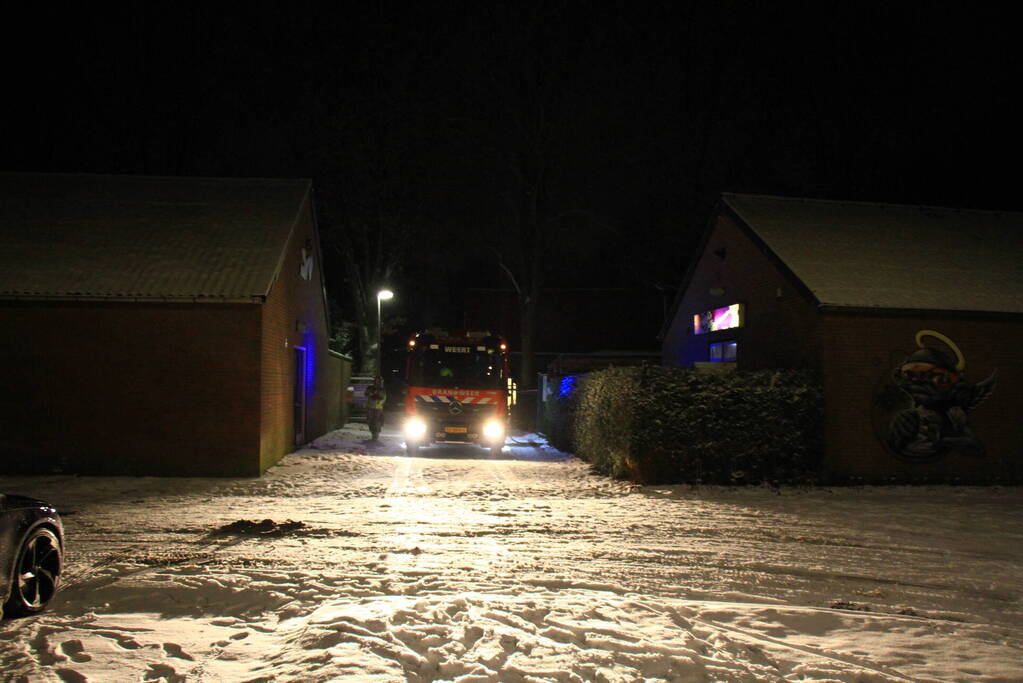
x=455, y=411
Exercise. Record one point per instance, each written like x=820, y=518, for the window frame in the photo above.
x=724, y=345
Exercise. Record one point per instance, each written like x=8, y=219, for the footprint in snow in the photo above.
x=162, y=672
x=174, y=650
x=45, y=653
x=127, y=642
x=75, y=650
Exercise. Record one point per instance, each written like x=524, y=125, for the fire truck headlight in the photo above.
x=493, y=430
x=414, y=428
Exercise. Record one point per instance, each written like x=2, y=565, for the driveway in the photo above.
x=349, y=561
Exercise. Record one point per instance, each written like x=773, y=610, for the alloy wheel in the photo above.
x=38, y=575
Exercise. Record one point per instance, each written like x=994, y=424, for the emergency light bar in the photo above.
x=435, y=337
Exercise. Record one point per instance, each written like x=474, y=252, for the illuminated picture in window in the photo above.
x=721, y=352
x=719, y=319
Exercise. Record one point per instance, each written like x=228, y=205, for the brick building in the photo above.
x=161, y=326
x=912, y=316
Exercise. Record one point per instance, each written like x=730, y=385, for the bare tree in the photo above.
x=369, y=193
x=527, y=78
x=371, y=238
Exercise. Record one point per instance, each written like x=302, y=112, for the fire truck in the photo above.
x=460, y=389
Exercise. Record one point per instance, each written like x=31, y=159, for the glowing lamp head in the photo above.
x=414, y=428
x=504, y=347
x=385, y=295
x=411, y=343
x=493, y=430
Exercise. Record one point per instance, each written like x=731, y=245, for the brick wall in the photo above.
x=127, y=388
x=294, y=316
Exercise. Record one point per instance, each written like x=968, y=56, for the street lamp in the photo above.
x=382, y=295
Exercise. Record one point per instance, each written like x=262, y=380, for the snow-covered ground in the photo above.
x=348, y=561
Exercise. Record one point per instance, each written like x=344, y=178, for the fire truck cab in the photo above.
x=459, y=389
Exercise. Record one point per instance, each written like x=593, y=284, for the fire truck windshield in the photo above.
x=441, y=367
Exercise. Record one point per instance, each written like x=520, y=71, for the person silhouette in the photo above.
x=376, y=396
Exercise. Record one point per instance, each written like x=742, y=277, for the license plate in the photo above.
x=456, y=430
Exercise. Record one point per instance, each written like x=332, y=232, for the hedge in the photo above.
x=661, y=425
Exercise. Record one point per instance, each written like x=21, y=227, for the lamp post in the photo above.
x=382, y=295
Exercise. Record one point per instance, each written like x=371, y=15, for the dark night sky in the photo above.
x=653, y=110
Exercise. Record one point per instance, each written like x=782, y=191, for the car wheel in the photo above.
x=37, y=573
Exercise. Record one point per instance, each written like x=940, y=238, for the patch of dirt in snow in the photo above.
x=458, y=566
x=265, y=528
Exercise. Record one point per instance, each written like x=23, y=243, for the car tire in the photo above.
x=36, y=573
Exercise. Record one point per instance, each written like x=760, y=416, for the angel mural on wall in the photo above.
x=937, y=420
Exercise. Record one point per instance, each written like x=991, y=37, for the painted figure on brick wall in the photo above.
x=937, y=420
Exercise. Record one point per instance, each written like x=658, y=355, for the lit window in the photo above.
x=725, y=318
x=723, y=351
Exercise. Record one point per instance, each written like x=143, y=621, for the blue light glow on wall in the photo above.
x=309, y=342
x=567, y=386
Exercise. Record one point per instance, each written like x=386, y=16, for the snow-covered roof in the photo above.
x=143, y=237
x=854, y=254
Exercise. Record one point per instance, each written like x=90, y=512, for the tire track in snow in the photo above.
x=810, y=650
x=408, y=478
x=684, y=618
x=400, y=477
x=503, y=470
